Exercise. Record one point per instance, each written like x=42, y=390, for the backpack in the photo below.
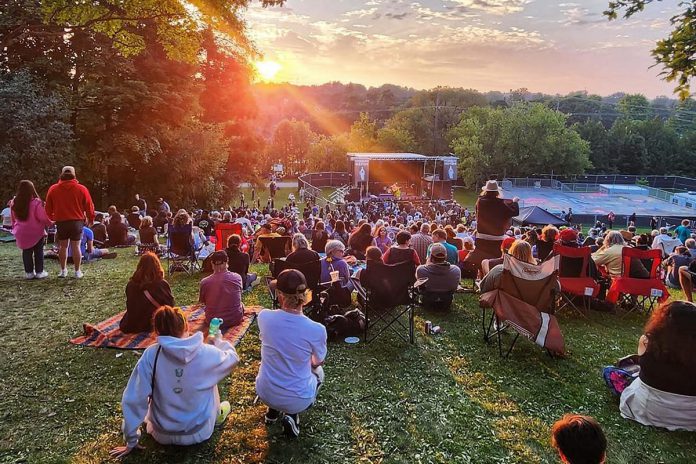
x=620, y=376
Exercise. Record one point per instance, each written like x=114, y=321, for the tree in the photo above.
x=328, y=154
x=596, y=135
x=520, y=141
x=635, y=108
x=363, y=135
x=627, y=148
x=676, y=53
x=37, y=139
x=290, y=145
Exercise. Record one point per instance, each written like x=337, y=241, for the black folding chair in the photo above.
x=181, y=253
x=436, y=301
x=312, y=272
x=277, y=247
x=387, y=296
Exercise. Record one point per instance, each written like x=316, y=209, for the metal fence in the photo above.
x=660, y=194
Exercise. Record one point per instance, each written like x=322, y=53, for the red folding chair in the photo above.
x=636, y=293
x=574, y=276
x=223, y=231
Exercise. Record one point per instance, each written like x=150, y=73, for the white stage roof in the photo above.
x=398, y=157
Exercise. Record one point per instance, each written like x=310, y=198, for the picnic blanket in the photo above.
x=106, y=334
x=6, y=237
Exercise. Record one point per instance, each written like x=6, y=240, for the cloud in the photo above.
x=498, y=7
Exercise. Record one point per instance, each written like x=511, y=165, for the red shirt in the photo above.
x=68, y=200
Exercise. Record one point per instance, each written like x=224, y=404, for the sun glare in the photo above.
x=267, y=69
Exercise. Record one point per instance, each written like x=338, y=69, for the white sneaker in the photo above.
x=63, y=273
x=79, y=274
x=42, y=275
x=29, y=275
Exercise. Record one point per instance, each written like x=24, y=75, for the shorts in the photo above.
x=69, y=230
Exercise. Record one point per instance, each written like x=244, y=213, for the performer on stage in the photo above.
x=494, y=216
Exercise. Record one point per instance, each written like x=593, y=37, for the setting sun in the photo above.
x=267, y=69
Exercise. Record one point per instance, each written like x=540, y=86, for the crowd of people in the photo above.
x=442, y=240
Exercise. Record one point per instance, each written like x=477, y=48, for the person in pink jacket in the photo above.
x=29, y=222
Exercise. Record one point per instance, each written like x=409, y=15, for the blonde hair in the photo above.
x=146, y=222
x=294, y=300
x=522, y=251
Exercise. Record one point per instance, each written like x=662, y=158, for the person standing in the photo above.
x=29, y=222
x=610, y=219
x=653, y=223
x=141, y=204
x=632, y=219
x=69, y=203
x=494, y=216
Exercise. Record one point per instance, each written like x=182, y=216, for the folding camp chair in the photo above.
x=469, y=274
x=668, y=246
x=312, y=272
x=387, y=295
x=223, y=230
x=277, y=247
x=575, y=285
x=636, y=293
x=435, y=301
x=525, y=302
x=181, y=252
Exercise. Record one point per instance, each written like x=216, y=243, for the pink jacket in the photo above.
x=30, y=231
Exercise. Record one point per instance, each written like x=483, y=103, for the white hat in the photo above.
x=491, y=186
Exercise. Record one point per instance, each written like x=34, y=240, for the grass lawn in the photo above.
x=448, y=398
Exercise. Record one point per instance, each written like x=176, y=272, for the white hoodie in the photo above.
x=185, y=402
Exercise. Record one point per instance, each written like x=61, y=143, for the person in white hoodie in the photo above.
x=293, y=348
x=173, y=388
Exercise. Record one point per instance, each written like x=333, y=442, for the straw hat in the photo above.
x=491, y=186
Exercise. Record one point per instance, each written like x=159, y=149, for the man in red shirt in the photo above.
x=69, y=204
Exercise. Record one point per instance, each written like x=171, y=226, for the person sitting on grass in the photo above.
x=664, y=394
x=147, y=232
x=118, y=232
x=145, y=292
x=301, y=254
x=173, y=388
x=88, y=251
x=221, y=293
x=680, y=258
x=238, y=261
x=579, y=440
x=293, y=349
x=402, y=251
x=101, y=237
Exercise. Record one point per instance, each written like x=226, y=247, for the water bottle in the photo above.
x=214, y=329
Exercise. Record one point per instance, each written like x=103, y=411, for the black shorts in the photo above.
x=69, y=230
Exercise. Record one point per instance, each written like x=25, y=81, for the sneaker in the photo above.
x=272, y=416
x=255, y=282
x=291, y=425
x=29, y=275
x=79, y=274
x=42, y=275
x=225, y=409
x=63, y=273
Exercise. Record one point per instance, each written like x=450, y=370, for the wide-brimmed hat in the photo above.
x=491, y=186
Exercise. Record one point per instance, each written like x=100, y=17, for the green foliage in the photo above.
x=518, y=141
x=328, y=154
x=677, y=52
x=290, y=145
x=597, y=136
x=36, y=134
x=635, y=108
x=363, y=135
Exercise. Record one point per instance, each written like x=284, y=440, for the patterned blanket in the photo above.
x=106, y=334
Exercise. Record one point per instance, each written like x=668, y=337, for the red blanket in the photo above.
x=106, y=334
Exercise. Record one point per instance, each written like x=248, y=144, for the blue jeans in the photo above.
x=33, y=257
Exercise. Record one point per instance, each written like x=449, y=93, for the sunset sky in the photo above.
x=546, y=46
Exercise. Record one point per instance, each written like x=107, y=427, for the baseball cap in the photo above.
x=438, y=250
x=290, y=281
x=219, y=257
x=68, y=170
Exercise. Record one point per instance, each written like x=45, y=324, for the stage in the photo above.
x=403, y=175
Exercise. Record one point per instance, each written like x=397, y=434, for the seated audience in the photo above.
x=301, y=254
x=488, y=264
x=382, y=240
x=238, y=261
x=691, y=246
x=664, y=394
x=579, y=440
x=421, y=241
x=609, y=255
x=544, y=245
x=153, y=391
x=319, y=237
x=118, y=232
x=340, y=233
x=402, y=251
x=101, y=237
x=261, y=255
x=221, y=293
x=293, y=348
x=468, y=248
x=452, y=238
x=145, y=292
x=359, y=240
x=373, y=254
x=442, y=276
x=334, y=262
x=88, y=250
x=678, y=259
x=440, y=236
x=147, y=232
x=519, y=250
x=133, y=218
